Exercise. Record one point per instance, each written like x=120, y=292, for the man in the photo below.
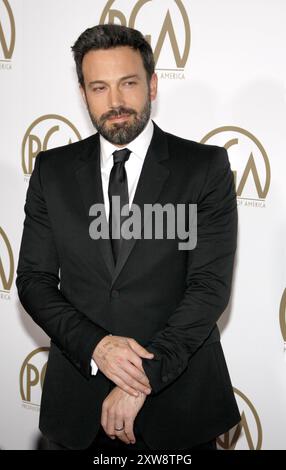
x=135, y=358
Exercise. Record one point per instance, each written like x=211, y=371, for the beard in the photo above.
x=121, y=133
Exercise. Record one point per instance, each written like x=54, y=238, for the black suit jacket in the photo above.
x=168, y=300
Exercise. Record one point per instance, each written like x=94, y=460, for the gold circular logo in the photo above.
x=179, y=35
x=7, y=266
x=32, y=376
x=49, y=131
x=249, y=159
x=7, y=31
x=247, y=434
x=282, y=315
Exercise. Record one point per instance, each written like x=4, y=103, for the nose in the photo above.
x=115, y=98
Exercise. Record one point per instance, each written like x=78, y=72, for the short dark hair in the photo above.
x=108, y=36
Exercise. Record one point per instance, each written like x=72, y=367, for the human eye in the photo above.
x=98, y=89
x=130, y=83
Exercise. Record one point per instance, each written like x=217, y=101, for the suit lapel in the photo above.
x=152, y=178
x=88, y=175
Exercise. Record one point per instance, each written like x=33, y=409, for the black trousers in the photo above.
x=103, y=443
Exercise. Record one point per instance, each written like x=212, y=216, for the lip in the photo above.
x=119, y=118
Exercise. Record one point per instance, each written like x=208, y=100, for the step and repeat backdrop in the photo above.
x=222, y=76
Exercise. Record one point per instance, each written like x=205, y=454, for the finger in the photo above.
x=117, y=379
x=136, y=374
x=129, y=430
x=134, y=358
x=133, y=382
x=120, y=383
x=128, y=356
x=110, y=424
x=104, y=417
x=140, y=350
x=122, y=437
x=119, y=424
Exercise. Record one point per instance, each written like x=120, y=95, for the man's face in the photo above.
x=117, y=93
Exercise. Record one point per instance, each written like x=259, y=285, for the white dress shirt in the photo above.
x=133, y=166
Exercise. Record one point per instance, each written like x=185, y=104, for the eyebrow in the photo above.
x=121, y=79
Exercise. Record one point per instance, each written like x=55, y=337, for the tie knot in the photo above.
x=121, y=155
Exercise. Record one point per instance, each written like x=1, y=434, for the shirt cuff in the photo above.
x=94, y=367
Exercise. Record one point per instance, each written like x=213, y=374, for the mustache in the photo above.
x=117, y=113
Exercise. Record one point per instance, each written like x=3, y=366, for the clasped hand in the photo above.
x=119, y=359
x=119, y=411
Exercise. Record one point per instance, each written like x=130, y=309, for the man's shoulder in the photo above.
x=193, y=151
x=69, y=151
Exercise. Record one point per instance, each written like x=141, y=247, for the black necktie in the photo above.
x=117, y=187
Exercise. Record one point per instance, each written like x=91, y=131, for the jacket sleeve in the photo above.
x=38, y=280
x=208, y=278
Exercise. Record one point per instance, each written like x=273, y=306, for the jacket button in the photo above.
x=115, y=294
x=165, y=378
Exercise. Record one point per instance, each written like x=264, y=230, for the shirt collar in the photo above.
x=139, y=145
